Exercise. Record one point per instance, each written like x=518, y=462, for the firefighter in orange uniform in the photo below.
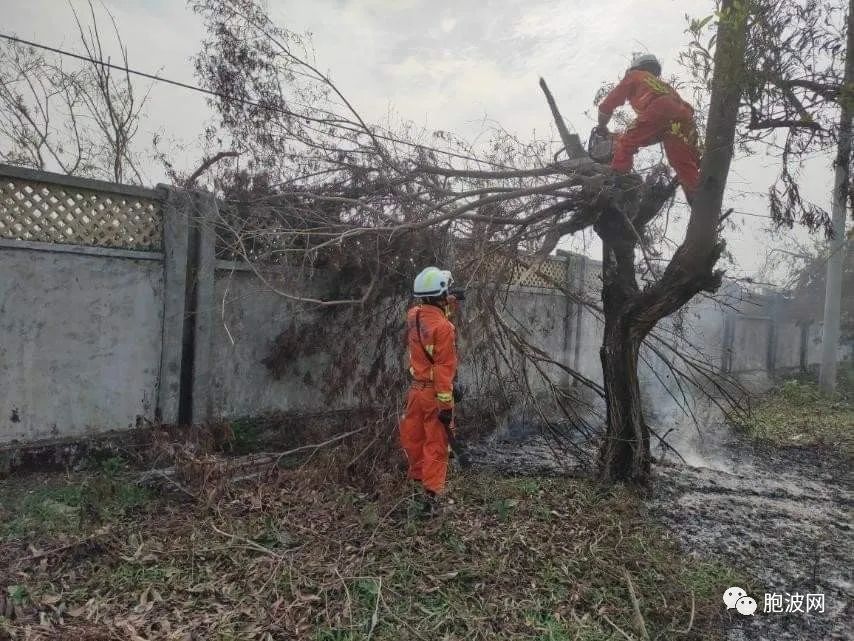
x=428, y=424
x=662, y=116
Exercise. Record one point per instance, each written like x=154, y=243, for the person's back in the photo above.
x=639, y=87
x=428, y=325
x=427, y=426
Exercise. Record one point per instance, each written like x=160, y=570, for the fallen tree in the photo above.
x=325, y=189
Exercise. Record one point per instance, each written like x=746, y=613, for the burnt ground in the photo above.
x=782, y=516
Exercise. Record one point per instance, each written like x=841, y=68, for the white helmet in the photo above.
x=644, y=59
x=432, y=281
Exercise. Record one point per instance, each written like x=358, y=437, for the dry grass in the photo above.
x=299, y=556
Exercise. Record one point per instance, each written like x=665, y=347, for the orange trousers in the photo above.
x=671, y=122
x=424, y=439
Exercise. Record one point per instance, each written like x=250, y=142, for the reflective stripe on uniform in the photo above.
x=656, y=85
x=688, y=135
x=445, y=397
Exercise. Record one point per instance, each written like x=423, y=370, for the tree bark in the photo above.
x=625, y=453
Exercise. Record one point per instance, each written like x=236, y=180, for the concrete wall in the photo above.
x=750, y=344
x=540, y=317
x=80, y=340
x=704, y=322
x=249, y=317
x=813, y=344
x=102, y=338
x=788, y=346
x=91, y=327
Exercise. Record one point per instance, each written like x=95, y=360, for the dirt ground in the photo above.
x=92, y=556
x=782, y=515
x=525, y=552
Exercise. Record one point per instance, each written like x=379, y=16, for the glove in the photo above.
x=446, y=417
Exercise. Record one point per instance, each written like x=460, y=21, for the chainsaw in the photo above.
x=458, y=452
x=600, y=145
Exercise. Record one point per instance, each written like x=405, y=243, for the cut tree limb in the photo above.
x=640, y=624
x=207, y=163
x=571, y=142
x=239, y=468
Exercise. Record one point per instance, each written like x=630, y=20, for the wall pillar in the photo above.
x=206, y=213
x=176, y=207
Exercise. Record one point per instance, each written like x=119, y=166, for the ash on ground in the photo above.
x=780, y=515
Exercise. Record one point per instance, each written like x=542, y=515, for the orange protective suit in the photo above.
x=422, y=436
x=662, y=116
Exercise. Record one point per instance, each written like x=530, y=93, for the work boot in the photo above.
x=432, y=504
x=627, y=182
x=419, y=505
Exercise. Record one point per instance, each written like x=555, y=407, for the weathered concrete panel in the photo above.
x=80, y=338
x=539, y=316
x=788, y=347
x=591, y=332
x=750, y=344
x=814, y=343
x=587, y=326
x=704, y=328
x=243, y=330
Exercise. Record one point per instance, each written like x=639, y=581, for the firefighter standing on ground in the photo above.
x=662, y=116
x=430, y=338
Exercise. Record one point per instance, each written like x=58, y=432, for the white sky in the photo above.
x=443, y=64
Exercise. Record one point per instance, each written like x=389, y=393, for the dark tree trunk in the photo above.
x=630, y=314
x=625, y=455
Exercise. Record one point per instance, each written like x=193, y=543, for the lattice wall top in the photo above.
x=53, y=213
x=550, y=273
